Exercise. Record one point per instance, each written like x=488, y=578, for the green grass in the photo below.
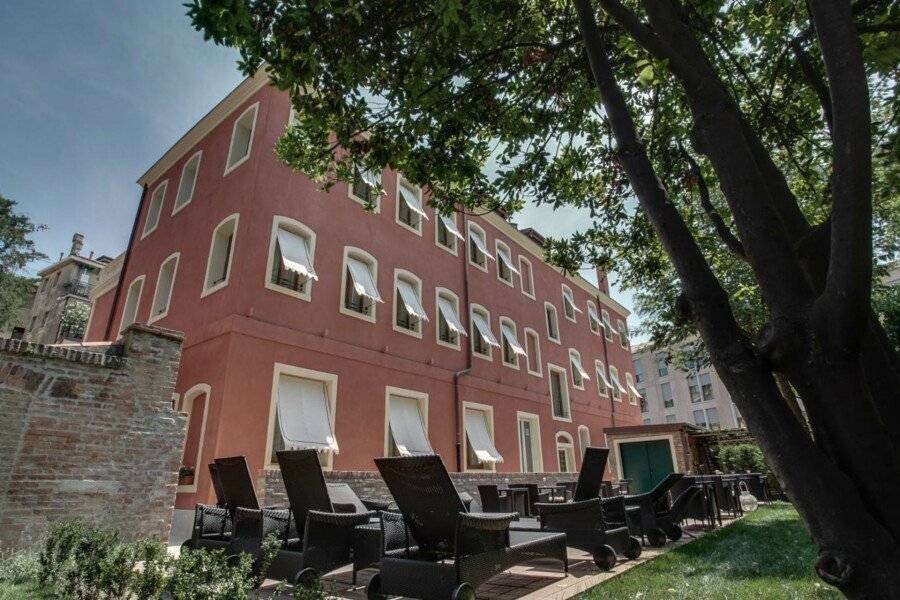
x=22, y=591
x=766, y=555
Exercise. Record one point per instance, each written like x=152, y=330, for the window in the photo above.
x=662, y=366
x=409, y=206
x=221, y=251
x=533, y=349
x=552, y=322
x=483, y=339
x=623, y=334
x=292, y=248
x=530, y=459
x=706, y=386
x=569, y=308
x=408, y=310
x=406, y=423
x=579, y=375
x=607, y=326
x=738, y=418
x=132, y=302
x=526, y=277
x=584, y=438
x=565, y=453
x=365, y=188
x=643, y=404
x=617, y=389
x=670, y=418
x=187, y=183
x=559, y=393
x=700, y=418
x=633, y=393
x=511, y=348
x=194, y=404
x=505, y=267
x=639, y=376
x=449, y=328
x=359, y=286
x=481, y=454
x=603, y=384
x=707, y=418
x=593, y=319
x=446, y=232
x=302, y=412
x=665, y=390
x=165, y=283
x=241, y=139
x=647, y=421
x=478, y=252
x=154, y=208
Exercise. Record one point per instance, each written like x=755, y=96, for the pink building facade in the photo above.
x=310, y=322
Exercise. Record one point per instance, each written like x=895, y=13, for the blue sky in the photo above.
x=93, y=93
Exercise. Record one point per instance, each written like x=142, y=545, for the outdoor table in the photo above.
x=713, y=512
x=556, y=491
x=519, y=499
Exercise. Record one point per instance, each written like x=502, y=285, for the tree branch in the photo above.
x=814, y=79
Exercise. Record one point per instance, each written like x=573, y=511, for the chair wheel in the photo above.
x=188, y=544
x=674, y=531
x=307, y=578
x=373, y=588
x=633, y=548
x=656, y=537
x=605, y=557
x=463, y=591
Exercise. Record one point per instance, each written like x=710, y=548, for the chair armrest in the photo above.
x=376, y=505
x=487, y=521
x=339, y=519
x=344, y=507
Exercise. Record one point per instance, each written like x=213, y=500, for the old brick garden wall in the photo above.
x=89, y=432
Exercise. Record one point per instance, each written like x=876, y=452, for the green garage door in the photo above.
x=646, y=463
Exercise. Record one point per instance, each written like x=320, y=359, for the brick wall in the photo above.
x=89, y=431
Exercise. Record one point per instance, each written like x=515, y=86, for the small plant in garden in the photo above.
x=740, y=458
x=19, y=567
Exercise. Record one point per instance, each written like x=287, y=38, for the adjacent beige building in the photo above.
x=671, y=394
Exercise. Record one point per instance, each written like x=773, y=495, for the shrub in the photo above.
x=19, y=567
x=740, y=458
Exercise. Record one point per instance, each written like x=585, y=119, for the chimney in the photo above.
x=91, y=255
x=77, y=244
x=602, y=280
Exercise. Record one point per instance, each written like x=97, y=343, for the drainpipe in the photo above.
x=465, y=303
x=118, y=294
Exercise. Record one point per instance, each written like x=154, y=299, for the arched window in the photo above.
x=221, y=252
x=359, y=286
x=195, y=404
x=165, y=283
x=565, y=453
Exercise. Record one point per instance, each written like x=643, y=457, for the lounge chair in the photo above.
x=640, y=511
x=457, y=550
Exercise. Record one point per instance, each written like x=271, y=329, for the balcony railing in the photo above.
x=78, y=288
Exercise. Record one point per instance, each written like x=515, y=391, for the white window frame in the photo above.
x=187, y=399
x=398, y=199
x=331, y=382
x=582, y=444
x=536, y=449
x=176, y=256
x=502, y=340
x=620, y=325
x=416, y=282
x=567, y=293
x=304, y=231
x=602, y=390
x=555, y=340
x=454, y=300
x=212, y=242
x=489, y=410
x=564, y=373
x=361, y=201
x=473, y=331
x=176, y=208
x=229, y=168
x=497, y=246
x=616, y=394
x=455, y=240
x=530, y=271
x=573, y=353
x=137, y=303
x=363, y=256
x=569, y=448
x=594, y=317
x=159, y=192
x=607, y=324
x=629, y=383
x=534, y=354
x=421, y=399
x=470, y=244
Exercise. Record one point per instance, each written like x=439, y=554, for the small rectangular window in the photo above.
x=188, y=182
x=662, y=366
x=241, y=138
x=409, y=206
x=154, y=208
x=665, y=390
x=164, y=285
x=552, y=324
x=360, y=289
x=559, y=393
x=364, y=188
x=218, y=265
x=526, y=276
x=450, y=328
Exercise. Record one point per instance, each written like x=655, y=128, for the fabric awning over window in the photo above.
x=576, y=364
x=451, y=227
x=295, y=253
x=449, y=312
x=618, y=386
x=407, y=427
x=506, y=260
x=634, y=391
x=363, y=282
x=603, y=378
x=480, y=439
x=485, y=330
x=568, y=300
x=370, y=178
x=304, y=414
x=510, y=336
x=412, y=201
x=411, y=300
x=478, y=240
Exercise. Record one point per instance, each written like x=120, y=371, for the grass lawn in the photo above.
x=767, y=554
x=24, y=591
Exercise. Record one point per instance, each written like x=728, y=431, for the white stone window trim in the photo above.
x=584, y=442
x=140, y=279
x=557, y=339
x=377, y=177
x=633, y=394
x=416, y=283
x=453, y=299
x=501, y=249
x=362, y=256
x=529, y=278
x=176, y=207
x=617, y=389
x=568, y=300
x=594, y=319
x=188, y=399
x=476, y=331
x=157, y=200
x=564, y=373
x=536, y=446
x=567, y=446
x=417, y=210
x=603, y=384
x=482, y=248
x=297, y=228
x=607, y=324
x=212, y=242
x=488, y=410
x=576, y=365
x=452, y=234
x=506, y=321
x=229, y=168
x=421, y=399
x=623, y=337
x=176, y=256
x=534, y=354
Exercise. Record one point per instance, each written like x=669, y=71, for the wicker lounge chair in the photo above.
x=645, y=522
x=457, y=550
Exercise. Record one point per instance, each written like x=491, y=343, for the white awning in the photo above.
x=505, y=258
x=634, y=391
x=479, y=439
x=295, y=253
x=407, y=427
x=510, y=336
x=618, y=386
x=370, y=178
x=478, y=240
x=412, y=201
x=576, y=362
x=568, y=300
x=603, y=378
x=304, y=414
x=363, y=282
x=449, y=312
x=451, y=227
x=411, y=300
x=485, y=330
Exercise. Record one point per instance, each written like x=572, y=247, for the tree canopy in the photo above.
x=17, y=249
